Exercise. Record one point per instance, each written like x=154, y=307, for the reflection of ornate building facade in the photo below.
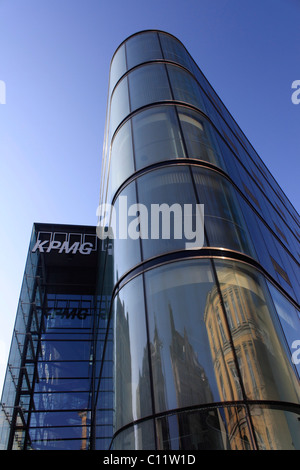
x=141, y=343
x=244, y=302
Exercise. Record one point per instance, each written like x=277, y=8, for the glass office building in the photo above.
x=56, y=350
x=187, y=347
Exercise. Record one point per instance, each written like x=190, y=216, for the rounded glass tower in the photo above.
x=202, y=328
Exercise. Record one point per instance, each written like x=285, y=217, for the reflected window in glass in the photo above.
x=275, y=427
x=259, y=340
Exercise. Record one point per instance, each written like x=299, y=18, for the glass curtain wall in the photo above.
x=47, y=394
x=21, y=371
x=203, y=337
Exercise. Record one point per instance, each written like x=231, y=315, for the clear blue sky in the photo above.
x=54, y=61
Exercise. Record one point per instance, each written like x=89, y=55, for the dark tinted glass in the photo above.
x=131, y=374
x=207, y=429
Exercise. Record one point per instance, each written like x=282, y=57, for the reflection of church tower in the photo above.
x=191, y=387
x=158, y=373
x=160, y=386
x=123, y=374
x=190, y=378
x=243, y=302
x=144, y=391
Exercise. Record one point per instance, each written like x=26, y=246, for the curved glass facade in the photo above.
x=178, y=326
x=203, y=337
x=210, y=333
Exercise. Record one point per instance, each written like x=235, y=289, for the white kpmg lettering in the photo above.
x=83, y=248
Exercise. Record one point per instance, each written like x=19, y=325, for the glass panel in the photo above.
x=207, y=429
x=164, y=192
x=142, y=48
x=119, y=105
x=62, y=384
x=63, y=369
x=131, y=374
x=138, y=437
x=126, y=249
x=118, y=66
x=198, y=136
x=275, y=428
x=223, y=219
x=148, y=84
x=156, y=136
x=192, y=360
x=66, y=350
x=121, y=160
x=175, y=51
x=52, y=399
x=184, y=87
x=257, y=335
x=63, y=430
x=290, y=320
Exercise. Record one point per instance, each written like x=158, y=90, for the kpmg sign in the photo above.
x=61, y=242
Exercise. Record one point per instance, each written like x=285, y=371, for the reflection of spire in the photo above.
x=123, y=375
x=159, y=385
x=158, y=372
x=191, y=381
